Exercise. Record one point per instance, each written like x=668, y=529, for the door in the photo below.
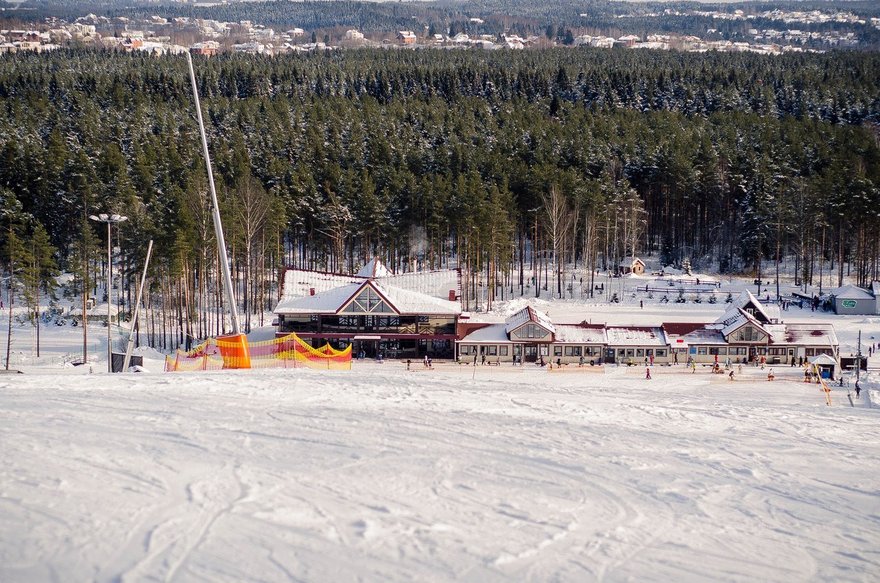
x=609, y=355
x=531, y=352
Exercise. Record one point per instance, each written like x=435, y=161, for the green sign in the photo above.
x=848, y=303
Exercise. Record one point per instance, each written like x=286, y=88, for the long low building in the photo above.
x=746, y=332
x=414, y=315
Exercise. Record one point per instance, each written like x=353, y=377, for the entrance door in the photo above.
x=609, y=355
x=531, y=352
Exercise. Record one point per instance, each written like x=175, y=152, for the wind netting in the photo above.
x=289, y=351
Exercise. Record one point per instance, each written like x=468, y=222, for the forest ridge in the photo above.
x=434, y=158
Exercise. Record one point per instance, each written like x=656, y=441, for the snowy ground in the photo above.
x=459, y=473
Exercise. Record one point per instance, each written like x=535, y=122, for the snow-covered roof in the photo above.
x=403, y=301
x=529, y=314
x=744, y=300
x=325, y=302
x=411, y=302
x=823, y=360
x=578, y=334
x=731, y=325
x=704, y=336
x=374, y=268
x=635, y=336
x=438, y=283
x=852, y=292
x=491, y=334
x=811, y=334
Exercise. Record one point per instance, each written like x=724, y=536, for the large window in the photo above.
x=531, y=331
x=572, y=351
x=557, y=351
x=748, y=334
x=367, y=302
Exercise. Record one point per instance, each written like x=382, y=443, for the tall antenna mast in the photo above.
x=218, y=226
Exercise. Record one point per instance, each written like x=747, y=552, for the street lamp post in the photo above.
x=109, y=219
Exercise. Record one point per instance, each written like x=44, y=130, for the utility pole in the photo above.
x=859, y=356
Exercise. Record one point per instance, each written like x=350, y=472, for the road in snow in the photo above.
x=379, y=474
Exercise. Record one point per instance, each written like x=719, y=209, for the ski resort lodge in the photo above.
x=417, y=314
x=409, y=315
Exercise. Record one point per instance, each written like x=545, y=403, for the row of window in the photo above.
x=641, y=352
x=577, y=351
x=720, y=350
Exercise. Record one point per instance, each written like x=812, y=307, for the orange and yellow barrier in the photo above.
x=234, y=352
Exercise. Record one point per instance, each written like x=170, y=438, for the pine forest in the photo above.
x=527, y=170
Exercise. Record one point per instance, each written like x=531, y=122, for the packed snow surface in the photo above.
x=457, y=473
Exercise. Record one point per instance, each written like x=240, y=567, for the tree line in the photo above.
x=525, y=169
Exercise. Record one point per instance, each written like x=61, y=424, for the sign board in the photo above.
x=848, y=303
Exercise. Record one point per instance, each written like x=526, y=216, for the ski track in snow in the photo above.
x=451, y=474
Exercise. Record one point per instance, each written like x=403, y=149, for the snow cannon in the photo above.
x=234, y=350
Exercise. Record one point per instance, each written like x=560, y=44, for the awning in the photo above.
x=367, y=337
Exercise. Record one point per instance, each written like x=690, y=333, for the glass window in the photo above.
x=701, y=350
x=492, y=350
x=517, y=349
x=557, y=351
x=661, y=352
x=367, y=302
x=640, y=352
x=630, y=352
x=572, y=351
x=502, y=350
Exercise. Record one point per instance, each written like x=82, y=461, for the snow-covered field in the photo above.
x=457, y=473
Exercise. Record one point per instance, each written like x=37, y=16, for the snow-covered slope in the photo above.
x=460, y=473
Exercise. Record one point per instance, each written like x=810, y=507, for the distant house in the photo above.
x=632, y=265
x=406, y=37
x=353, y=35
x=207, y=48
x=851, y=299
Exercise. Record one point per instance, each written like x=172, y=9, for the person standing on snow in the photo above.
x=647, y=373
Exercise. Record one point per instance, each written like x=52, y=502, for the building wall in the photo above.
x=862, y=307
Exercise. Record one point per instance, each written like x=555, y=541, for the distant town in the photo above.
x=161, y=35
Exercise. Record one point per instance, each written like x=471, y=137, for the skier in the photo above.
x=858, y=389
x=647, y=373
x=730, y=376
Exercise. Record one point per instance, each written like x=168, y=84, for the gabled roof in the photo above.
x=744, y=300
x=823, y=360
x=529, y=314
x=374, y=268
x=852, y=292
x=733, y=324
x=402, y=301
x=437, y=283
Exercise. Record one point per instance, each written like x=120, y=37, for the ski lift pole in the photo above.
x=218, y=226
x=137, y=309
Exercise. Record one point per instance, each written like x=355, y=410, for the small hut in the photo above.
x=826, y=365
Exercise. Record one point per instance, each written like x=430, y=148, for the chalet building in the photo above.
x=376, y=311
x=746, y=332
